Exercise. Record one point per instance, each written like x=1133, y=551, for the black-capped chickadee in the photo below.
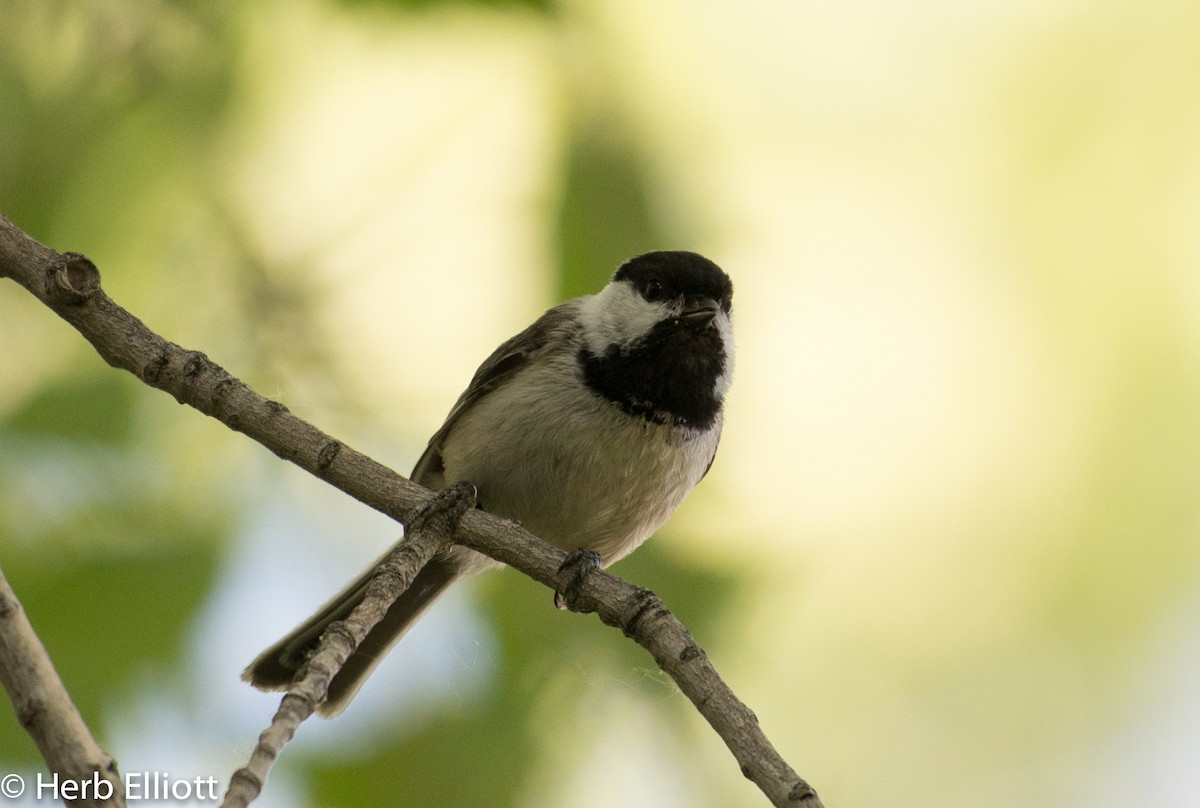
x=589, y=428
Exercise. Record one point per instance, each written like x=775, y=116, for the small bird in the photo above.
x=589, y=428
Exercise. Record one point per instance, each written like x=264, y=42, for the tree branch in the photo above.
x=70, y=285
x=45, y=710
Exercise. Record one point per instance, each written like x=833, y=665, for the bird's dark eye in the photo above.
x=654, y=290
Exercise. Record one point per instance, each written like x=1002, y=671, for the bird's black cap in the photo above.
x=676, y=273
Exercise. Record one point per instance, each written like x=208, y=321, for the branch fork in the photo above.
x=431, y=530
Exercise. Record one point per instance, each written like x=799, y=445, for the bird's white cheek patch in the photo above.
x=618, y=315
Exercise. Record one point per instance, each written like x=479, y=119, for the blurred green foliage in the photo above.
x=99, y=102
x=92, y=408
x=956, y=510
x=540, y=6
x=111, y=621
x=605, y=214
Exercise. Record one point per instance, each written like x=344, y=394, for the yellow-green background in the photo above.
x=950, y=548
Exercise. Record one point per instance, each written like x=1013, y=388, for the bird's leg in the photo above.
x=574, y=571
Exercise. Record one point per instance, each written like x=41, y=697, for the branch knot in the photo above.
x=74, y=281
x=645, y=608
x=328, y=454
x=802, y=792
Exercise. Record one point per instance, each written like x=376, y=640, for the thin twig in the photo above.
x=45, y=710
x=430, y=531
x=70, y=285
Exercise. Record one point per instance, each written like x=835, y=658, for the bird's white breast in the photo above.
x=583, y=473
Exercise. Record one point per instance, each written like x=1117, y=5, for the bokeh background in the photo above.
x=950, y=548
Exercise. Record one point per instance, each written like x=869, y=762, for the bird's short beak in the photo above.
x=699, y=314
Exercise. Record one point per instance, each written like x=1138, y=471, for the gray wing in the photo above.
x=551, y=329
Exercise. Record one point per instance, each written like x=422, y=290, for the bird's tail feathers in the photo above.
x=275, y=667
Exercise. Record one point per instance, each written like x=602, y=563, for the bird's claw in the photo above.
x=573, y=572
x=451, y=502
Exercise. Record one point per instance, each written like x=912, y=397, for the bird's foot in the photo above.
x=450, y=503
x=573, y=572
